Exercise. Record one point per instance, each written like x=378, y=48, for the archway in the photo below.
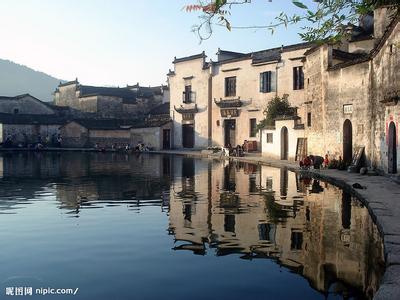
x=347, y=141
x=284, y=143
x=392, y=149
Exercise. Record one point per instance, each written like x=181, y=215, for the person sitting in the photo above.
x=239, y=151
x=317, y=161
x=305, y=163
x=326, y=161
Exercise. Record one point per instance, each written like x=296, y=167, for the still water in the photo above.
x=119, y=226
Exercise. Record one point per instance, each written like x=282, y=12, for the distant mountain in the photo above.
x=17, y=79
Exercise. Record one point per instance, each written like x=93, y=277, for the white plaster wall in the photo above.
x=248, y=89
x=200, y=86
x=273, y=150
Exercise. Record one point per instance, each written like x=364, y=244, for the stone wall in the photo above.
x=107, y=138
x=27, y=134
x=74, y=135
x=67, y=96
x=358, y=92
x=385, y=88
x=151, y=136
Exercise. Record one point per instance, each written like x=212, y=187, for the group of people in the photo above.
x=237, y=151
x=140, y=147
x=314, y=161
x=38, y=143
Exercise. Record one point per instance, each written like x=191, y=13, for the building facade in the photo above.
x=352, y=97
x=346, y=97
x=110, y=102
x=220, y=103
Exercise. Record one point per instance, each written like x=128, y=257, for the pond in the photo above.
x=118, y=226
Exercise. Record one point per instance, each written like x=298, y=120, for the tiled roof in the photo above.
x=375, y=50
x=68, y=83
x=162, y=109
x=120, y=124
x=267, y=55
x=28, y=119
x=124, y=93
x=346, y=56
x=186, y=58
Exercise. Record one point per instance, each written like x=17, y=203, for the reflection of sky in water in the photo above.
x=119, y=226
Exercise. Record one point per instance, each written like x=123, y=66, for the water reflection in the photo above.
x=311, y=227
x=307, y=226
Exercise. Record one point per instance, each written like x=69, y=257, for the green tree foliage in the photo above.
x=277, y=107
x=326, y=20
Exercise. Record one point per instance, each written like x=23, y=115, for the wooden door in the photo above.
x=166, y=139
x=188, y=136
x=392, y=149
x=284, y=143
x=347, y=141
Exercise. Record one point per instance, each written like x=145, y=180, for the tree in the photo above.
x=277, y=107
x=327, y=21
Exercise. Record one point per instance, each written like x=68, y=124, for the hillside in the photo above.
x=17, y=79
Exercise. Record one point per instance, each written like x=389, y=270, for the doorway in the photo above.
x=230, y=132
x=347, y=141
x=284, y=143
x=392, y=149
x=166, y=139
x=188, y=135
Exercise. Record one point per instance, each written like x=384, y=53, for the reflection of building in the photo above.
x=88, y=179
x=320, y=233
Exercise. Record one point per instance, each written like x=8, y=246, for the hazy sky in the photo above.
x=119, y=42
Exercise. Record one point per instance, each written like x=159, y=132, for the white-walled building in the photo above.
x=220, y=103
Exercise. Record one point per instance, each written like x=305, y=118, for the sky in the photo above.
x=120, y=42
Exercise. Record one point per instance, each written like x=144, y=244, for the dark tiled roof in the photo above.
x=346, y=56
x=375, y=50
x=106, y=124
x=266, y=56
x=238, y=54
x=68, y=83
x=126, y=94
x=26, y=119
x=162, y=109
x=186, y=58
x=19, y=97
x=120, y=124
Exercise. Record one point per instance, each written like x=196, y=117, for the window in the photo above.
x=309, y=119
x=270, y=138
x=298, y=78
x=229, y=223
x=187, y=94
x=296, y=240
x=266, y=82
x=253, y=127
x=16, y=111
x=230, y=86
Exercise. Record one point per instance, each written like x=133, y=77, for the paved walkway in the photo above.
x=380, y=195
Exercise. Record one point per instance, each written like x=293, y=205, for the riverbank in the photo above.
x=379, y=194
